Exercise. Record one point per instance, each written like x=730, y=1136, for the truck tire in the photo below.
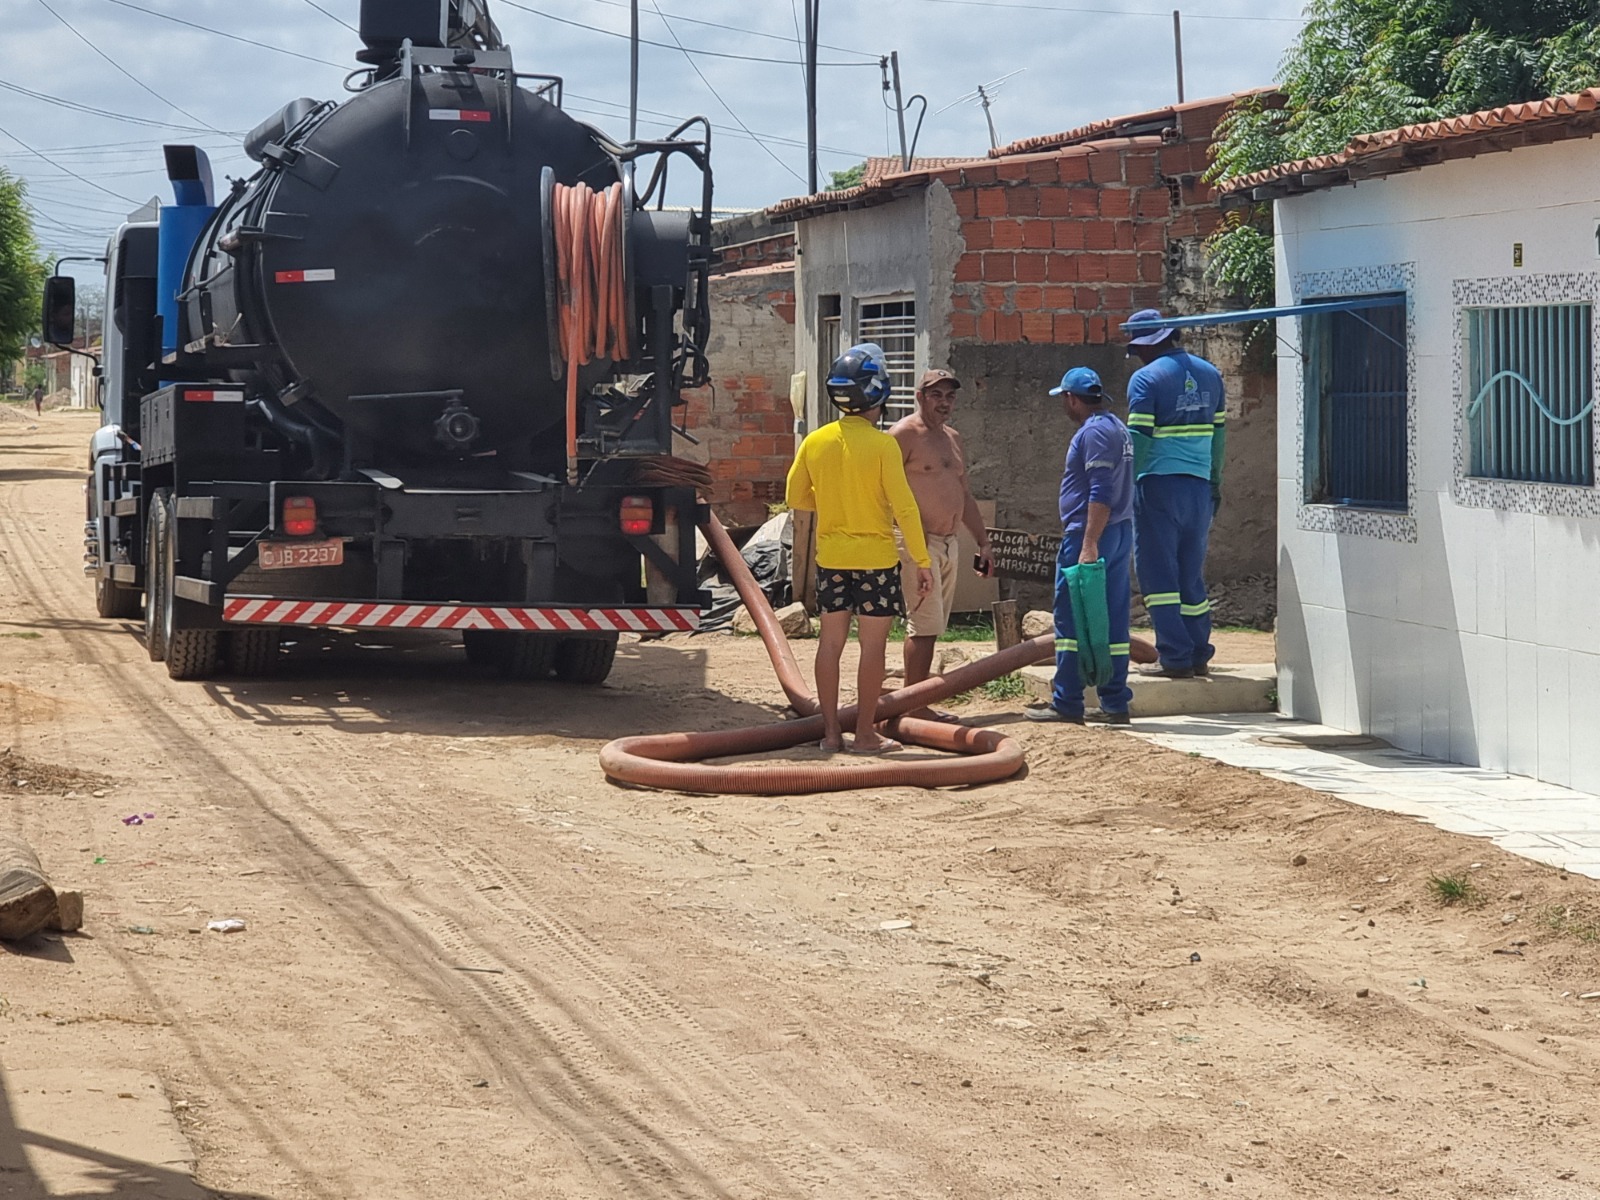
x=253, y=652
x=190, y=653
x=585, y=660
x=515, y=655
x=155, y=575
x=115, y=600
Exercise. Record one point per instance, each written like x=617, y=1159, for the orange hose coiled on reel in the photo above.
x=593, y=308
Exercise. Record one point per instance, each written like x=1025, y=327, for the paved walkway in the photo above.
x=1541, y=821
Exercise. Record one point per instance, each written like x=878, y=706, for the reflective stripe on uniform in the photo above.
x=1137, y=419
x=1220, y=419
x=1156, y=599
x=1194, y=610
x=1184, y=431
x=1063, y=645
x=1120, y=649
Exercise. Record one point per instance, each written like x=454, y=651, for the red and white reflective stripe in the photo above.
x=458, y=114
x=202, y=396
x=321, y=275
x=357, y=615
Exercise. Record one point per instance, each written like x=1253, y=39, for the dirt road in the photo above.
x=474, y=968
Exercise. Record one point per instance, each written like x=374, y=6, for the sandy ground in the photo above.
x=474, y=968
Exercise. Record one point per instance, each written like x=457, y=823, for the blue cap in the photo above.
x=1081, y=381
x=1149, y=339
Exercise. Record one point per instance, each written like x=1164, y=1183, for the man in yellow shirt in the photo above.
x=852, y=475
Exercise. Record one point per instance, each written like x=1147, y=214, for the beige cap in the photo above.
x=929, y=378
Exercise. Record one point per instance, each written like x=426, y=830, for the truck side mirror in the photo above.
x=60, y=309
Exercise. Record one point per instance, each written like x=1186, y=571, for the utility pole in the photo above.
x=813, y=15
x=633, y=74
x=994, y=138
x=899, y=110
x=1177, y=48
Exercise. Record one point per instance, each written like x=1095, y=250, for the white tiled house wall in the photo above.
x=1470, y=632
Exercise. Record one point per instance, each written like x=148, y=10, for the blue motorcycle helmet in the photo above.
x=859, y=382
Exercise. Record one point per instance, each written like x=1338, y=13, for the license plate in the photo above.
x=281, y=556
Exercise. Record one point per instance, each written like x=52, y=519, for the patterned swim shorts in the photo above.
x=865, y=593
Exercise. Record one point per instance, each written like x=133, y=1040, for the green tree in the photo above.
x=1362, y=66
x=22, y=271
x=851, y=177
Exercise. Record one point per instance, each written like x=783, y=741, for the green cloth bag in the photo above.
x=1086, y=586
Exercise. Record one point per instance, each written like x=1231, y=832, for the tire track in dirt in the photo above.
x=642, y=1160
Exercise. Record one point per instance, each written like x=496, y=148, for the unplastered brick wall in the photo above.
x=743, y=420
x=1060, y=246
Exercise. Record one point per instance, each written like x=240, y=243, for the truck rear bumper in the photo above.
x=354, y=614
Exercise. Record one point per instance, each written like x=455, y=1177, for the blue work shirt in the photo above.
x=1177, y=402
x=1099, y=470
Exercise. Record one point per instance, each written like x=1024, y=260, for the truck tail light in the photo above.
x=638, y=514
x=299, y=516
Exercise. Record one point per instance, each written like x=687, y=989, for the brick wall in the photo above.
x=1056, y=249
x=743, y=420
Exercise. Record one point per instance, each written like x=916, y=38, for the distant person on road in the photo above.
x=38, y=399
x=936, y=468
x=1177, y=415
x=1097, y=524
x=851, y=474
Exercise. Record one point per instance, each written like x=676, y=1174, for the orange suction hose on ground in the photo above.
x=593, y=303
x=672, y=760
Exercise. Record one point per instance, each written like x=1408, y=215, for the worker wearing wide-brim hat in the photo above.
x=1177, y=415
x=1097, y=526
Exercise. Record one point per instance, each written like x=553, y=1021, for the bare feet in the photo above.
x=878, y=745
x=831, y=745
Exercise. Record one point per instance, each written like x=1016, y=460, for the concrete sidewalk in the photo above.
x=1541, y=821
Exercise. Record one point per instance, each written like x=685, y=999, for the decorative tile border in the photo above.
x=1547, y=499
x=1340, y=518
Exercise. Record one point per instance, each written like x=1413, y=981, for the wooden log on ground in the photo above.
x=27, y=901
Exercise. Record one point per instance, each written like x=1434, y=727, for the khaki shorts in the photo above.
x=930, y=616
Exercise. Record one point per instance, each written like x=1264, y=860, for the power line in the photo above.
x=663, y=45
x=778, y=37
x=232, y=37
x=1112, y=12
x=333, y=17
x=696, y=67
x=84, y=39
x=675, y=118
x=68, y=170
x=89, y=109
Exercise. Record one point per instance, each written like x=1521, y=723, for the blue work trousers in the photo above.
x=1116, y=548
x=1172, y=523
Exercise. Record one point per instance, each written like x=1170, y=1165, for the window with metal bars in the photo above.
x=1529, y=379
x=892, y=324
x=1357, y=406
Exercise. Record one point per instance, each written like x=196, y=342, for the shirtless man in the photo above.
x=936, y=468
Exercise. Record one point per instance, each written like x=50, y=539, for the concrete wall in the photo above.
x=743, y=421
x=1464, y=627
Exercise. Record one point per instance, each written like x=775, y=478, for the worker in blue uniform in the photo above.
x=1096, y=523
x=1177, y=419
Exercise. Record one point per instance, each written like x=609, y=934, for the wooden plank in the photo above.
x=1007, y=624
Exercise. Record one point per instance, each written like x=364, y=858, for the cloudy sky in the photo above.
x=91, y=88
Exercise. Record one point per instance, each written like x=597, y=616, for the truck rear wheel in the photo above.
x=155, y=576
x=114, y=600
x=585, y=660
x=253, y=651
x=190, y=653
x=514, y=654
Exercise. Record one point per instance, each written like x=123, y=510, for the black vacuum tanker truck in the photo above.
x=418, y=371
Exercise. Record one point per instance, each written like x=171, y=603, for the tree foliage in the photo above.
x=22, y=271
x=1362, y=66
x=850, y=177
